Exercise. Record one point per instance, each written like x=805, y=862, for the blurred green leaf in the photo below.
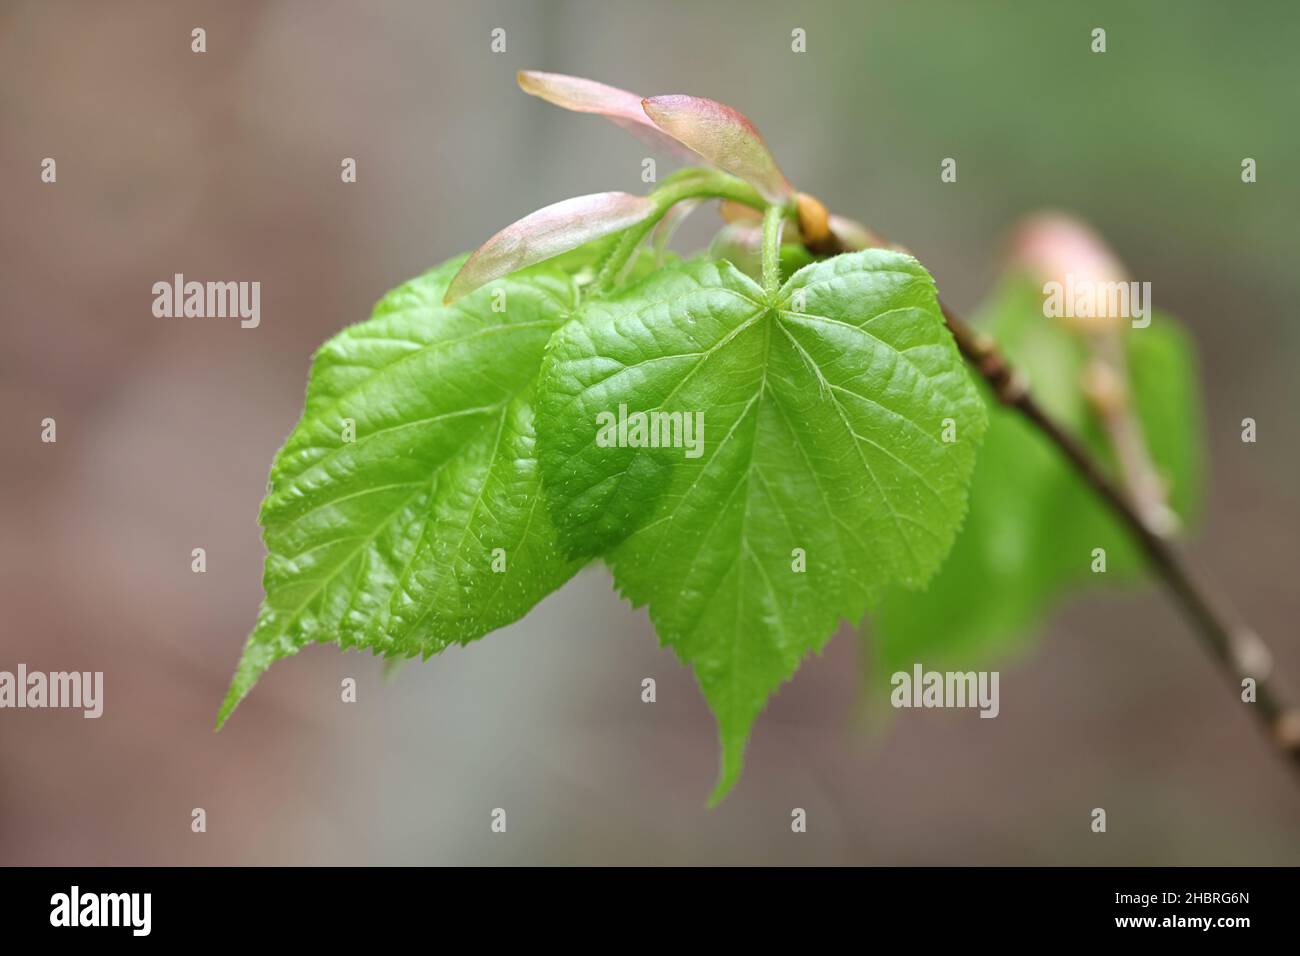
x=1033, y=522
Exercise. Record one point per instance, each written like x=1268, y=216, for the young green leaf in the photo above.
x=818, y=475
x=1034, y=523
x=404, y=512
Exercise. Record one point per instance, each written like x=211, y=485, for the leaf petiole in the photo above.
x=688, y=184
x=773, y=219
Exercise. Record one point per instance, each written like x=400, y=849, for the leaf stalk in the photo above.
x=773, y=220
x=684, y=185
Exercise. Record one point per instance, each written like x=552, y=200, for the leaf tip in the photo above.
x=257, y=658
x=456, y=288
x=533, y=82
x=730, y=764
x=227, y=708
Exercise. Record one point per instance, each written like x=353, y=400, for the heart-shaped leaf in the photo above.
x=404, y=512
x=757, y=469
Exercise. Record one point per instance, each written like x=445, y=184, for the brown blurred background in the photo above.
x=225, y=166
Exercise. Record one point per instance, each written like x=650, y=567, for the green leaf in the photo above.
x=1033, y=522
x=822, y=435
x=389, y=541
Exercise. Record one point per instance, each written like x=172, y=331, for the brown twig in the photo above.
x=1238, y=651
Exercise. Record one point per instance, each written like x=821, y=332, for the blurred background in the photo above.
x=226, y=166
